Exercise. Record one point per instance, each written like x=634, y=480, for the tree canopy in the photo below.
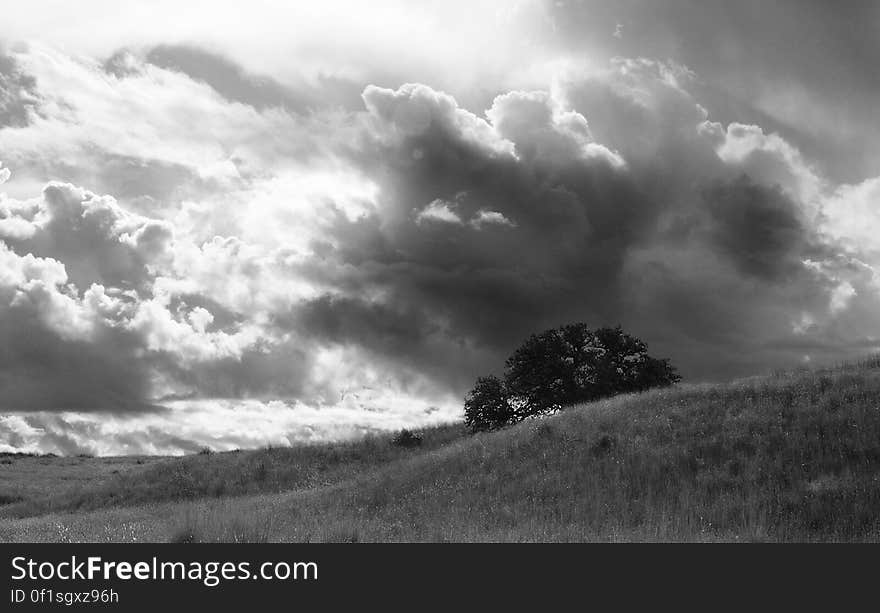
x=561, y=367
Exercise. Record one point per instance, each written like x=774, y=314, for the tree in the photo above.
x=573, y=364
x=487, y=406
x=561, y=367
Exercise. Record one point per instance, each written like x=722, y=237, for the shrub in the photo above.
x=405, y=438
x=10, y=498
x=561, y=367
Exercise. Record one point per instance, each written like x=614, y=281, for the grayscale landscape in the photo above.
x=529, y=270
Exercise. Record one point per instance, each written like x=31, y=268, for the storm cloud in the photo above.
x=190, y=239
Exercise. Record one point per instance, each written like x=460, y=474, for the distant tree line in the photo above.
x=562, y=367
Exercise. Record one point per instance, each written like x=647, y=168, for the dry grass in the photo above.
x=28, y=481
x=210, y=475
x=791, y=457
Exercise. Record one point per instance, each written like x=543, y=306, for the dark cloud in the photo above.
x=576, y=214
x=406, y=340
x=759, y=228
x=572, y=218
x=263, y=372
x=610, y=199
x=695, y=305
x=801, y=65
x=40, y=370
x=342, y=319
x=671, y=244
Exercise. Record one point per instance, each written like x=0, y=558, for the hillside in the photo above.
x=786, y=457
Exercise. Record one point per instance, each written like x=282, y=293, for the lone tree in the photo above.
x=562, y=367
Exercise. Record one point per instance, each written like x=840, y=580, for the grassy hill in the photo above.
x=786, y=457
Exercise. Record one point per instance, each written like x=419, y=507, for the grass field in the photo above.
x=789, y=457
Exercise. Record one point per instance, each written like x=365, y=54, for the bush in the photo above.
x=561, y=367
x=405, y=438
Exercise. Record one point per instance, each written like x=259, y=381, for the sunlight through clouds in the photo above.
x=212, y=237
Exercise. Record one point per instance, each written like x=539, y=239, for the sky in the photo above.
x=233, y=224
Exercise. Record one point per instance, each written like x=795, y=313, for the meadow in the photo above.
x=787, y=457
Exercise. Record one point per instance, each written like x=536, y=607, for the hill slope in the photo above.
x=794, y=457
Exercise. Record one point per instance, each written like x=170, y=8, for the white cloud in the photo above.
x=222, y=425
x=187, y=339
x=336, y=38
x=544, y=131
x=198, y=296
x=438, y=210
x=414, y=109
x=769, y=159
x=804, y=324
x=841, y=297
x=491, y=218
x=87, y=116
x=40, y=285
x=851, y=214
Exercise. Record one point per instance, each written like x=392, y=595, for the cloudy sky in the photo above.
x=246, y=223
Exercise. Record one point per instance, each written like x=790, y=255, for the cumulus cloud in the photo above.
x=850, y=216
x=98, y=240
x=753, y=65
x=109, y=311
x=490, y=218
x=543, y=131
x=58, y=351
x=80, y=279
x=438, y=210
x=664, y=211
x=322, y=272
